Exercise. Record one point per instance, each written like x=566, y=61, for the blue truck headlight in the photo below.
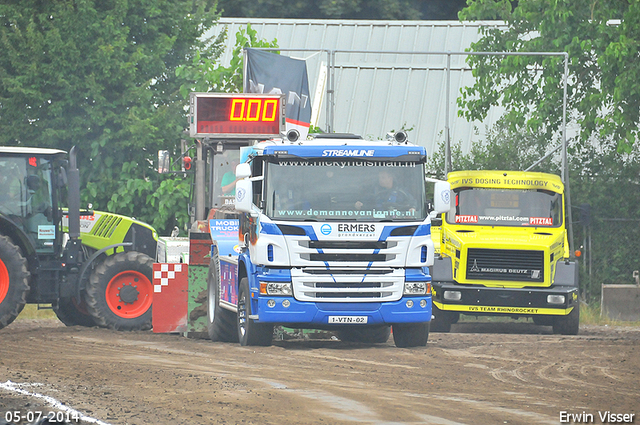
x=417, y=288
x=555, y=299
x=276, y=289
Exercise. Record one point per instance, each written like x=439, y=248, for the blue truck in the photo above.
x=333, y=233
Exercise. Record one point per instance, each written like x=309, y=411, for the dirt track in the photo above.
x=505, y=373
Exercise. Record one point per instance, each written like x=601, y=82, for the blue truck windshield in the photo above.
x=345, y=190
x=507, y=207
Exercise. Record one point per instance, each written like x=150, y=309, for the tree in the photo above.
x=608, y=181
x=100, y=74
x=601, y=38
x=204, y=73
x=505, y=148
x=343, y=9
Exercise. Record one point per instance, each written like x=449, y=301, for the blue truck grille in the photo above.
x=348, y=244
x=347, y=257
x=371, y=290
x=347, y=285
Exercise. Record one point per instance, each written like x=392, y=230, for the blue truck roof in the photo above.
x=361, y=150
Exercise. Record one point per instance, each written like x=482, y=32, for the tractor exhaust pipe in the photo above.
x=73, y=176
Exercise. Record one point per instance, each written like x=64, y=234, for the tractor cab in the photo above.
x=28, y=196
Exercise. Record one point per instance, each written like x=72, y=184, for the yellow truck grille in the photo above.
x=505, y=264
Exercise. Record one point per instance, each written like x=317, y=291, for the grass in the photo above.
x=31, y=311
x=590, y=315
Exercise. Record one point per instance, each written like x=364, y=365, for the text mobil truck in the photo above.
x=335, y=234
x=503, y=250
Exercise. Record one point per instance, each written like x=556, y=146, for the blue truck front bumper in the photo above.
x=405, y=310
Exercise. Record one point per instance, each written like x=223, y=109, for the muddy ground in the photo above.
x=497, y=373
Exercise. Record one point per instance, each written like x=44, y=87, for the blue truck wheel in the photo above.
x=250, y=332
x=220, y=322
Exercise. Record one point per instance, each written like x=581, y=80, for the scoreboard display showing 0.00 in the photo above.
x=236, y=115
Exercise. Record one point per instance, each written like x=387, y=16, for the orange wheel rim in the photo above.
x=129, y=294
x=4, y=281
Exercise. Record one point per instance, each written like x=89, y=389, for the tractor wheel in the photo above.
x=221, y=323
x=14, y=281
x=569, y=324
x=367, y=335
x=120, y=292
x=411, y=334
x=73, y=313
x=249, y=332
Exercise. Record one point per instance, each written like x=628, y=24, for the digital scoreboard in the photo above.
x=236, y=115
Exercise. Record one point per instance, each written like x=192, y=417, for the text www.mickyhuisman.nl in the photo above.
x=603, y=417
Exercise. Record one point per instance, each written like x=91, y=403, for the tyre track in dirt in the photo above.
x=460, y=378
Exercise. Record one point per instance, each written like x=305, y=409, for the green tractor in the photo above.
x=94, y=268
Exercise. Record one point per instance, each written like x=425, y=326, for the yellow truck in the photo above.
x=503, y=251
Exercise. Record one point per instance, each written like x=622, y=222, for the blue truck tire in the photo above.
x=221, y=323
x=250, y=332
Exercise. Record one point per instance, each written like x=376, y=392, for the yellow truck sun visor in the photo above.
x=506, y=179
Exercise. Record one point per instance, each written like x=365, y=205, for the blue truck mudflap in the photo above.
x=405, y=310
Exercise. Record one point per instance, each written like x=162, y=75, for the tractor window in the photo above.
x=25, y=198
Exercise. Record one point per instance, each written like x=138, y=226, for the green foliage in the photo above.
x=435, y=164
x=607, y=180
x=604, y=66
x=343, y=9
x=205, y=74
x=506, y=148
x=101, y=75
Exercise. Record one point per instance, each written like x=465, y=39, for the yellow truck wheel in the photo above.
x=442, y=320
x=569, y=324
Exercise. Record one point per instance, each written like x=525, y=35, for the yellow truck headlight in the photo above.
x=555, y=299
x=452, y=295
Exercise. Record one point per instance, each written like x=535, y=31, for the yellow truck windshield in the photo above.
x=507, y=207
